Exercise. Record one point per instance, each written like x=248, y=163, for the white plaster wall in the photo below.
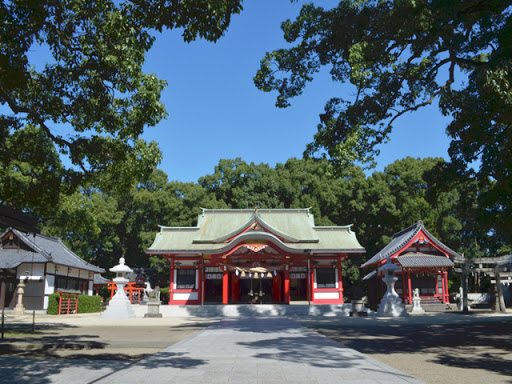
x=49, y=285
x=35, y=271
x=50, y=268
x=61, y=270
x=185, y=296
x=73, y=272
x=326, y=295
x=89, y=292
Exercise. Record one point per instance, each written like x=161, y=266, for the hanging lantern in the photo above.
x=236, y=272
x=275, y=272
x=256, y=275
x=262, y=275
x=242, y=274
x=269, y=274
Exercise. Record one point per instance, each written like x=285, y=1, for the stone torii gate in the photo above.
x=477, y=266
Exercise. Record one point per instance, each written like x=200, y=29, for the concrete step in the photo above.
x=434, y=307
x=264, y=310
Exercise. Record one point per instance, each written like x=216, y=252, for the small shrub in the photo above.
x=86, y=304
x=53, y=304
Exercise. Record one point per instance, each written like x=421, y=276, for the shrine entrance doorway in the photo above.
x=256, y=291
x=213, y=288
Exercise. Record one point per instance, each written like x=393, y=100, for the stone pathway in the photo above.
x=257, y=350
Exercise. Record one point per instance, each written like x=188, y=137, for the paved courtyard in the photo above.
x=243, y=350
x=87, y=349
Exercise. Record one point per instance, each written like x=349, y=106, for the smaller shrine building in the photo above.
x=424, y=262
x=45, y=265
x=255, y=256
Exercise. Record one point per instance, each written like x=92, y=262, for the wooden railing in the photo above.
x=68, y=303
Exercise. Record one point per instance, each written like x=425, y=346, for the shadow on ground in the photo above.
x=455, y=345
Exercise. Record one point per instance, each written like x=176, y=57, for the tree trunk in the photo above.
x=500, y=302
x=465, y=288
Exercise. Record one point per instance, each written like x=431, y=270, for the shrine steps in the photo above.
x=434, y=307
x=263, y=310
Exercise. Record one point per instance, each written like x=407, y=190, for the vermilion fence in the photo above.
x=68, y=302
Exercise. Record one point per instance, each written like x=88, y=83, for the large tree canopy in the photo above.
x=400, y=56
x=91, y=98
x=100, y=226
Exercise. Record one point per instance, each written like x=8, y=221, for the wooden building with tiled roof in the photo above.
x=424, y=262
x=46, y=266
x=255, y=256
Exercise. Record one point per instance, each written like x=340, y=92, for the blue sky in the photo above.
x=216, y=112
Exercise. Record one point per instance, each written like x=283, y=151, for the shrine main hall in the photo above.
x=255, y=256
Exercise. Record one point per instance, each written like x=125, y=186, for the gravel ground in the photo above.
x=90, y=337
x=448, y=349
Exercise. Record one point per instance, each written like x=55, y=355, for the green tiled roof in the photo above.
x=292, y=229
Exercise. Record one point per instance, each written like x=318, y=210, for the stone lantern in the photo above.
x=120, y=307
x=391, y=305
x=19, y=309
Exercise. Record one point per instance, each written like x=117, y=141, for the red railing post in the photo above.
x=76, y=304
x=60, y=301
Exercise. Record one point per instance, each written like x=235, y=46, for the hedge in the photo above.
x=86, y=304
x=89, y=304
x=53, y=304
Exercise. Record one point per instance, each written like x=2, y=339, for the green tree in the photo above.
x=88, y=221
x=91, y=98
x=398, y=57
x=30, y=170
x=242, y=185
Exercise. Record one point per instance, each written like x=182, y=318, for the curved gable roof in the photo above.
x=401, y=239
x=291, y=225
x=290, y=229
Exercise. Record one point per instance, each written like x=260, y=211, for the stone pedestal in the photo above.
x=391, y=305
x=358, y=309
x=416, y=300
x=153, y=310
x=416, y=307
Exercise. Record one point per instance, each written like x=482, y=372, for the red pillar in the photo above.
x=340, y=281
x=200, y=282
x=276, y=288
x=287, y=285
x=235, y=284
x=409, y=293
x=436, y=293
x=311, y=284
x=446, y=296
x=225, y=286
x=171, y=281
x=442, y=285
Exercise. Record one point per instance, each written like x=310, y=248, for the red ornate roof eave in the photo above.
x=421, y=233
x=299, y=252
